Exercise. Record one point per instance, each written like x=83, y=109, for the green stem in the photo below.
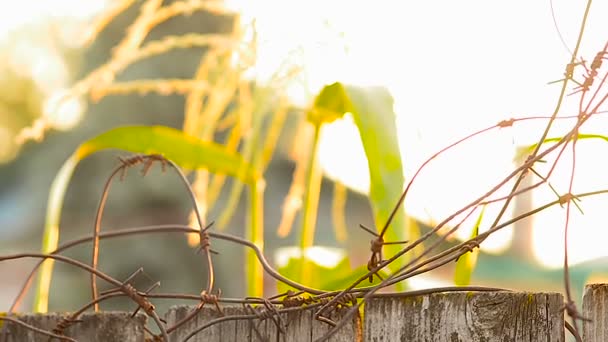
x=337, y=211
x=311, y=202
x=50, y=236
x=255, y=233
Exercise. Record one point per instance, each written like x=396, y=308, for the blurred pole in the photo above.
x=522, y=243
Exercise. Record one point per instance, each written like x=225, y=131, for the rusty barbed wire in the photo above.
x=127, y=289
x=520, y=172
x=32, y=328
x=67, y=321
x=591, y=73
x=263, y=312
x=335, y=301
x=327, y=302
x=147, y=161
x=125, y=164
x=311, y=302
x=130, y=291
x=131, y=49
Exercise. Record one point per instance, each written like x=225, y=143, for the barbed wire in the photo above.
x=593, y=96
x=307, y=297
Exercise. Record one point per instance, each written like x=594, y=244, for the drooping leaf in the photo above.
x=372, y=110
x=330, y=104
x=467, y=262
x=186, y=151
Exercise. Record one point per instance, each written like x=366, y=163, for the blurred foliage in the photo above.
x=465, y=265
x=20, y=104
x=323, y=276
x=186, y=151
x=372, y=110
x=223, y=106
x=35, y=60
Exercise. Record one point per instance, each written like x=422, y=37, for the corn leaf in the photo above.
x=186, y=151
x=372, y=110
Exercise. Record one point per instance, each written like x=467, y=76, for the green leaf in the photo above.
x=338, y=283
x=330, y=104
x=186, y=151
x=372, y=110
x=465, y=265
x=317, y=275
x=523, y=152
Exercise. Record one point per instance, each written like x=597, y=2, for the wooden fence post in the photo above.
x=466, y=316
x=299, y=326
x=442, y=317
x=93, y=327
x=595, y=304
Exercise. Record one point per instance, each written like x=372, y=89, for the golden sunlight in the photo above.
x=33, y=35
x=450, y=75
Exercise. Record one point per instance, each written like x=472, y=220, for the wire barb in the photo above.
x=376, y=248
x=63, y=324
x=264, y=312
x=146, y=159
x=208, y=298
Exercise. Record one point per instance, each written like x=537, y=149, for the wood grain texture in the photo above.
x=595, y=303
x=94, y=327
x=466, y=317
x=439, y=317
x=298, y=326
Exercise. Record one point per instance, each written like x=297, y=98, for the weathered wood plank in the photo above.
x=595, y=304
x=106, y=326
x=466, y=316
x=261, y=330
x=455, y=316
x=207, y=314
x=351, y=331
x=298, y=326
x=243, y=328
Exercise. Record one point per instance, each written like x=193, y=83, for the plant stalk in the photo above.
x=255, y=233
x=311, y=202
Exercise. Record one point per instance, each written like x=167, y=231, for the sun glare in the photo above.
x=32, y=34
x=63, y=112
x=451, y=72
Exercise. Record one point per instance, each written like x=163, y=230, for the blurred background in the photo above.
x=452, y=68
